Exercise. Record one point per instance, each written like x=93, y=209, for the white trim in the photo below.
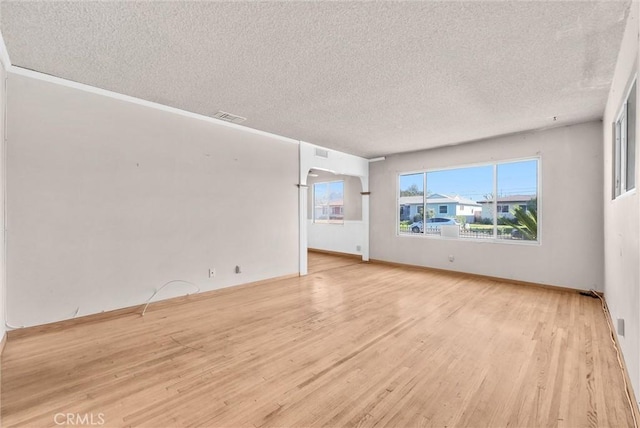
x=624, y=195
x=539, y=198
x=3, y=166
x=4, y=54
x=115, y=95
x=495, y=201
x=620, y=140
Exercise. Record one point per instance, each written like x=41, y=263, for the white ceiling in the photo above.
x=368, y=78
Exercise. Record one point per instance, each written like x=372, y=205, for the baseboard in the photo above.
x=135, y=310
x=3, y=342
x=480, y=276
x=335, y=253
x=625, y=372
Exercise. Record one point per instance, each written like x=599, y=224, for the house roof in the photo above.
x=511, y=198
x=437, y=198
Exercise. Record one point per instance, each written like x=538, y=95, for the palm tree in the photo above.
x=526, y=221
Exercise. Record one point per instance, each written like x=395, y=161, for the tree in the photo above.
x=411, y=191
x=526, y=221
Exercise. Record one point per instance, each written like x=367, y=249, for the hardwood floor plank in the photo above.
x=352, y=344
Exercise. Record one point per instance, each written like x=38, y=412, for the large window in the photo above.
x=328, y=202
x=494, y=201
x=624, y=157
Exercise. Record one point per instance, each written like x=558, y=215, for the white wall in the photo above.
x=345, y=237
x=3, y=76
x=621, y=216
x=4, y=64
x=338, y=163
x=109, y=200
x=341, y=238
x=570, y=253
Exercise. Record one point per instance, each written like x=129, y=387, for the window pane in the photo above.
x=328, y=202
x=320, y=201
x=518, y=185
x=411, y=203
x=458, y=197
x=631, y=140
x=336, y=204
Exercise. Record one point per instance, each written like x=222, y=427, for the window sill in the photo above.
x=476, y=240
x=624, y=195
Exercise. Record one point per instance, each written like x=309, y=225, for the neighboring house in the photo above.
x=506, y=205
x=333, y=211
x=439, y=205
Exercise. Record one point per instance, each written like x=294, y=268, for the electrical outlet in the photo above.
x=358, y=248
x=621, y=327
x=212, y=272
x=451, y=258
x=238, y=269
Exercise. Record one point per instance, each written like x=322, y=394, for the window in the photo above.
x=494, y=201
x=411, y=203
x=328, y=202
x=624, y=157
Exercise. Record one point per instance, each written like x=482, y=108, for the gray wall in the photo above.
x=571, y=249
x=622, y=215
x=109, y=200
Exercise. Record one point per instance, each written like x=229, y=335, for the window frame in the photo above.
x=621, y=144
x=494, y=164
x=328, y=206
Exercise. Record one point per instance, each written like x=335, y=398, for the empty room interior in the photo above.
x=319, y=213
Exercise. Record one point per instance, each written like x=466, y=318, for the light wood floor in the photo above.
x=360, y=345
x=319, y=261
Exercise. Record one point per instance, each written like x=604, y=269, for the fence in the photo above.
x=503, y=232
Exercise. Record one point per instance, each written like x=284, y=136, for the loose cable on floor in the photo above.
x=164, y=285
x=612, y=336
x=13, y=327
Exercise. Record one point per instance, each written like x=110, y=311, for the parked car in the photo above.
x=433, y=224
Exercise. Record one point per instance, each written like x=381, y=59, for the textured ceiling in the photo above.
x=368, y=78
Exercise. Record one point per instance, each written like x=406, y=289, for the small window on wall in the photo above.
x=624, y=157
x=328, y=202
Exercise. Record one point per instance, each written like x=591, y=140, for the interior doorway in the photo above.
x=328, y=223
x=334, y=213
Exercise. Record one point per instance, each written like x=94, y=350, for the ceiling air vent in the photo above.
x=322, y=153
x=223, y=115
